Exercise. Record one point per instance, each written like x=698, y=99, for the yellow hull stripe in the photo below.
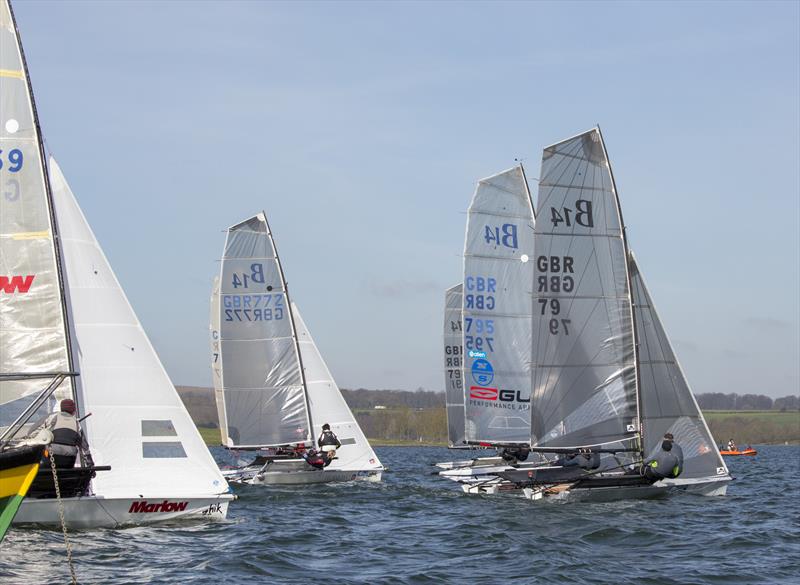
x=17, y=480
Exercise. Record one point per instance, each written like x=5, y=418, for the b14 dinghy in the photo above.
x=612, y=415
x=487, y=337
x=274, y=392
x=64, y=317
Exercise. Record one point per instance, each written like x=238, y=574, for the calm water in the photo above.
x=418, y=528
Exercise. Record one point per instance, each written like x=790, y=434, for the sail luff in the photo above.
x=216, y=362
x=453, y=363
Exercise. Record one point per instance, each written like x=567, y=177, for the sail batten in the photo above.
x=496, y=304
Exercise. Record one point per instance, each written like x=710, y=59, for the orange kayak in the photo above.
x=745, y=452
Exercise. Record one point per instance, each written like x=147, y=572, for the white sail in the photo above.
x=453, y=364
x=33, y=335
x=328, y=406
x=584, y=390
x=668, y=405
x=216, y=361
x=138, y=424
x=264, y=400
x=498, y=271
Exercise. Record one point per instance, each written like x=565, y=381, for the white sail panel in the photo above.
x=668, y=405
x=216, y=361
x=453, y=364
x=138, y=424
x=498, y=272
x=265, y=403
x=32, y=329
x=584, y=377
x=328, y=406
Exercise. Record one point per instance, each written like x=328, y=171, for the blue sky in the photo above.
x=361, y=129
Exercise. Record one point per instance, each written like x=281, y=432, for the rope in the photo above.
x=61, y=516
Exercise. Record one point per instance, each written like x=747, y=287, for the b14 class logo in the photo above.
x=482, y=372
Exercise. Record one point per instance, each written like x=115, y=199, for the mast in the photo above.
x=51, y=209
x=528, y=191
x=637, y=375
x=294, y=328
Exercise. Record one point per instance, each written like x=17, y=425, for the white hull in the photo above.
x=312, y=476
x=99, y=512
x=477, y=462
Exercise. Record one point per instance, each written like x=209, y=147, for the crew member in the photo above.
x=514, y=455
x=68, y=439
x=731, y=445
x=315, y=459
x=583, y=459
x=328, y=442
x=666, y=463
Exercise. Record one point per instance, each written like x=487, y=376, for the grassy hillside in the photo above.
x=402, y=424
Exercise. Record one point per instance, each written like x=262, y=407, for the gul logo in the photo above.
x=483, y=393
x=482, y=372
x=143, y=507
x=12, y=284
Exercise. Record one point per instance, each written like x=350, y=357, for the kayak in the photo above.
x=745, y=452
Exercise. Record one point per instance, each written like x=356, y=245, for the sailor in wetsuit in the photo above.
x=328, y=442
x=584, y=460
x=667, y=462
x=68, y=439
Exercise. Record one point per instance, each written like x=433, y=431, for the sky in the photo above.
x=362, y=128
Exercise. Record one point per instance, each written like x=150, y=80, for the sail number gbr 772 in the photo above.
x=254, y=306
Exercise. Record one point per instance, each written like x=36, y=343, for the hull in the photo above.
x=581, y=492
x=99, y=512
x=312, y=477
x=468, y=463
x=18, y=468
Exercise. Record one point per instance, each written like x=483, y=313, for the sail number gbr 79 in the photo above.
x=555, y=276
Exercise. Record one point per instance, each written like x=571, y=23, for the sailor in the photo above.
x=328, y=442
x=666, y=463
x=731, y=445
x=514, y=455
x=316, y=459
x=583, y=459
x=68, y=439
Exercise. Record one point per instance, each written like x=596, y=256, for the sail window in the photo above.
x=348, y=441
x=158, y=428
x=163, y=450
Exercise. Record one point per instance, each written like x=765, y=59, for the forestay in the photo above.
x=33, y=335
x=262, y=381
x=668, y=405
x=328, y=406
x=138, y=424
x=498, y=273
x=584, y=377
x=453, y=362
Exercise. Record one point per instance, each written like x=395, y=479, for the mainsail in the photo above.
x=139, y=426
x=328, y=406
x=216, y=359
x=33, y=331
x=584, y=354
x=668, y=405
x=498, y=272
x=263, y=394
x=453, y=362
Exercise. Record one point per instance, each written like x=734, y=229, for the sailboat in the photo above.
x=274, y=392
x=606, y=382
x=495, y=318
x=65, y=318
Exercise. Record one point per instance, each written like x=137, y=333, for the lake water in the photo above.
x=418, y=528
